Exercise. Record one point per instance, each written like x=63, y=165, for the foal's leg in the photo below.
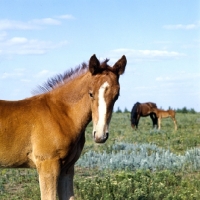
x=175, y=124
x=49, y=171
x=65, y=185
x=159, y=123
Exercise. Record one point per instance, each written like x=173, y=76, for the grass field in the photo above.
x=141, y=183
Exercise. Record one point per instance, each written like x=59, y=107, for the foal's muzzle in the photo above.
x=101, y=139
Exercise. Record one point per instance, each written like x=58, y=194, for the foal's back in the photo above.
x=165, y=113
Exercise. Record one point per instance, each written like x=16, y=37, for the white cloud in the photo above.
x=66, y=17
x=17, y=40
x=144, y=55
x=180, y=76
x=42, y=73
x=14, y=74
x=192, y=45
x=45, y=21
x=182, y=26
x=6, y=24
x=3, y=35
x=161, y=78
x=24, y=46
x=25, y=80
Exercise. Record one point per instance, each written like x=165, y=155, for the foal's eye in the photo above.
x=91, y=95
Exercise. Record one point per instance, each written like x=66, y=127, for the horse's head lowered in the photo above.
x=103, y=92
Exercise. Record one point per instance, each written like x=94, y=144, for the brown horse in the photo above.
x=47, y=131
x=143, y=110
x=164, y=114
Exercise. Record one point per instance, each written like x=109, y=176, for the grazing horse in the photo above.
x=164, y=114
x=143, y=110
x=47, y=131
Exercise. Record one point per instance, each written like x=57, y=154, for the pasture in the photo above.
x=143, y=164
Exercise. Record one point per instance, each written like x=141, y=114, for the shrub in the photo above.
x=126, y=156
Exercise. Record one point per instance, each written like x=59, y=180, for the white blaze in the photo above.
x=102, y=111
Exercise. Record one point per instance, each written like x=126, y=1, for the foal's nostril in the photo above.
x=94, y=134
x=107, y=135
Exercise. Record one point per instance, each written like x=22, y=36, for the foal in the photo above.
x=164, y=114
x=47, y=131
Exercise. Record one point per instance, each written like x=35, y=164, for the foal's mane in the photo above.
x=60, y=79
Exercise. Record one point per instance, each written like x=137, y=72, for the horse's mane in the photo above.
x=60, y=79
x=134, y=111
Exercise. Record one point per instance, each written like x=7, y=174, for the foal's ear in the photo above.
x=94, y=65
x=120, y=65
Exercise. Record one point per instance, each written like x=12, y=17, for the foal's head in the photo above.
x=103, y=92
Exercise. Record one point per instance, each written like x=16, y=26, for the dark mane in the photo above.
x=134, y=112
x=60, y=79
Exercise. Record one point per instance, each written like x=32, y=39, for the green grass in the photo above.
x=137, y=185
x=187, y=136
x=19, y=184
x=108, y=185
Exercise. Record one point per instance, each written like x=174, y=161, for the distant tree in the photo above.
x=192, y=111
x=126, y=110
x=118, y=110
x=170, y=108
x=181, y=110
x=185, y=110
x=178, y=110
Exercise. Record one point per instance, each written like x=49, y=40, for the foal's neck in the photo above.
x=74, y=98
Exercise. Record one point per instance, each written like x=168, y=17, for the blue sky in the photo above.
x=161, y=40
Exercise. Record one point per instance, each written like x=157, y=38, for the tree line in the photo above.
x=178, y=110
